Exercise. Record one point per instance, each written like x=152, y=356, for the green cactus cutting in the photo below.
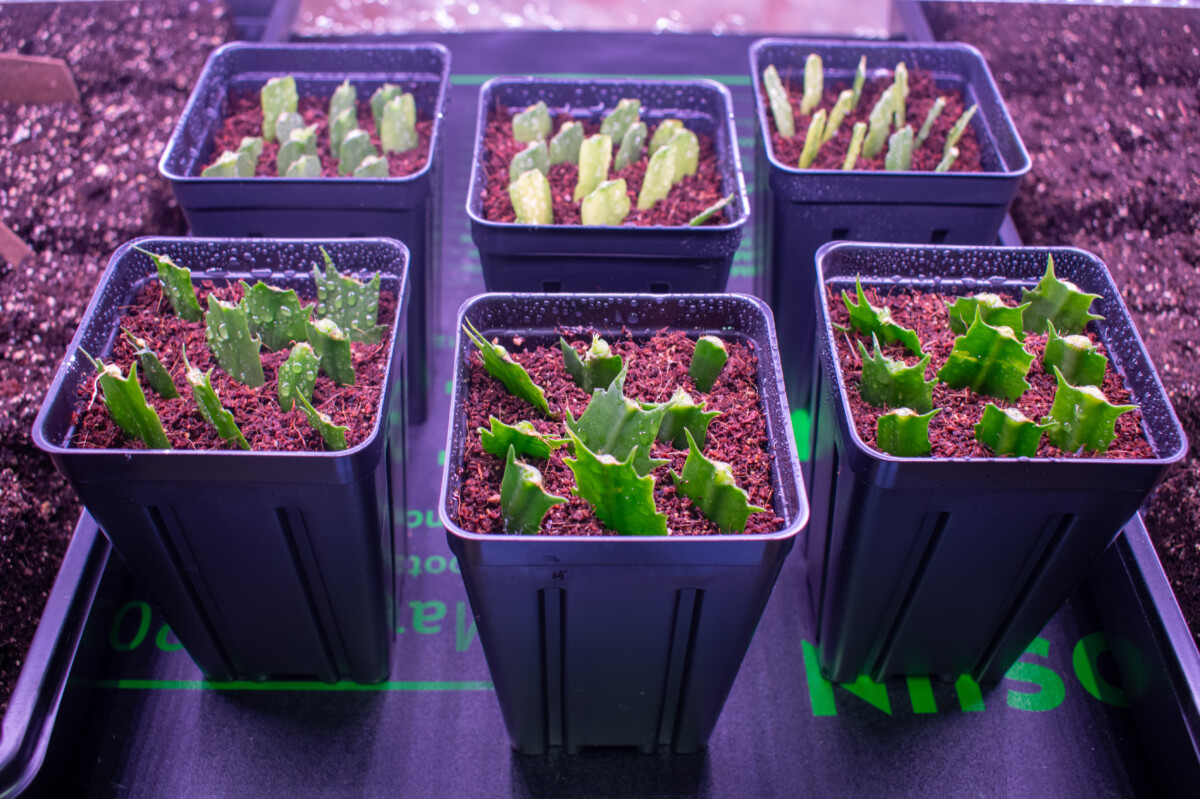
x=297, y=376
x=1057, y=301
x=711, y=487
x=126, y=403
x=854, y=150
x=869, y=320
x=380, y=98
x=860, y=77
x=607, y=205
x=596, y=369
x=352, y=304
x=631, y=146
x=665, y=131
x=278, y=95
x=398, y=128
x=837, y=114
x=1076, y=357
x=595, y=157
x=252, y=146
x=620, y=119
x=532, y=201
x=340, y=127
x=686, y=145
x=230, y=164
x=612, y=424
x=156, y=375
x=813, y=139
x=708, y=359
x=960, y=127
x=888, y=382
x=333, y=435
x=306, y=166
x=523, y=500
x=227, y=333
x=373, y=166
x=332, y=346
x=988, y=360
x=814, y=84
x=622, y=498
x=900, y=96
x=522, y=436
x=345, y=97
x=1084, y=417
x=355, y=148
x=711, y=211
x=900, y=150
x=1007, y=431
x=532, y=124
x=288, y=123
x=299, y=144
x=500, y=365
x=660, y=176
x=905, y=433
x=683, y=414
x=177, y=285
x=935, y=111
x=947, y=160
x=879, y=123
x=781, y=105
x=991, y=309
x=564, y=147
x=535, y=156
x=210, y=405
x=276, y=315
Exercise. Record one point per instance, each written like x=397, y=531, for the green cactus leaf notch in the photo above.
x=500, y=365
x=1057, y=301
x=596, y=369
x=126, y=403
x=276, y=315
x=621, y=496
x=523, y=500
x=210, y=405
x=177, y=285
x=712, y=488
x=988, y=360
x=905, y=433
x=297, y=375
x=991, y=308
x=155, y=374
x=523, y=436
x=1007, y=431
x=612, y=424
x=1076, y=357
x=683, y=414
x=334, y=435
x=352, y=304
x=227, y=333
x=869, y=320
x=1082, y=416
x=891, y=383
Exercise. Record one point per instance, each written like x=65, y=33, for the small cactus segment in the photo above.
x=398, y=130
x=959, y=128
x=623, y=498
x=350, y=303
x=333, y=435
x=523, y=500
x=888, y=382
x=500, y=365
x=687, y=153
x=278, y=95
x=288, y=123
x=880, y=123
x=564, y=147
x=532, y=124
x=708, y=360
x=156, y=375
x=306, y=166
x=531, y=199
x=177, y=285
x=535, y=156
x=620, y=119
x=344, y=98
x=868, y=319
x=522, y=436
x=230, y=164
x=683, y=414
x=373, y=166
x=615, y=425
x=276, y=315
x=781, y=106
x=595, y=157
x=947, y=160
x=607, y=205
x=1057, y=301
x=1076, y=357
x=380, y=98
x=631, y=146
x=665, y=131
x=1084, y=417
x=711, y=487
x=355, y=148
x=991, y=309
x=332, y=347
x=660, y=176
x=860, y=77
x=813, y=139
x=899, y=98
x=857, y=134
x=252, y=146
x=298, y=375
x=935, y=111
x=210, y=405
x=711, y=211
x=988, y=360
x=837, y=114
x=814, y=84
x=339, y=128
x=598, y=367
x=227, y=333
x=299, y=143
x=1007, y=431
x=126, y=403
x=900, y=150
x=905, y=433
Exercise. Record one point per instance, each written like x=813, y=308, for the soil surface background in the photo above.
x=1107, y=101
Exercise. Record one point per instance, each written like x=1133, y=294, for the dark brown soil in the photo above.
x=687, y=198
x=1107, y=102
x=655, y=369
x=74, y=183
x=245, y=119
x=952, y=431
x=921, y=96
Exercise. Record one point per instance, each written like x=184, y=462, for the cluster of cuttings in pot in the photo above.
x=611, y=442
x=395, y=114
x=988, y=358
x=673, y=150
x=319, y=336
x=887, y=123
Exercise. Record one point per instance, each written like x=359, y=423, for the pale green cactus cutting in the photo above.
x=1057, y=301
x=837, y=114
x=988, y=360
x=869, y=320
x=620, y=119
x=210, y=405
x=860, y=77
x=891, y=383
x=380, y=98
x=535, y=156
x=708, y=359
x=1083, y=417
x=813, y=139
x=621, y=496
x=684, y=414
x=854, y=150
x=126, y=403
x=595, y=157
x=373, y=166
x=306, y=166
x=608, y=205
x=332, y=346
x=531, y=198
x=935, y=111
x=345, y=97
x=1007, y=431
x=631, y=146
x=564, y=147
x=711, y=211
x=598, y=367
x=960, y=127
x=500, y=365
x=686, y=145
x=991, y=309
x=905, y=433
x=660, y=176
x=288, y=123
x=781, y=105
x=230, y=164
x=177, y=285
x=900, y=96
x=252, y=146
x=665, y=131
x=612, y=424
x=880, y=123
x=947, y=160
x=227, y=333
x=1076, y=357
x=278, y=95
x=532, y=124
x=297, y=376
x=814, y=84
x=398, y=128
x=339, y=128
x=155, y=374
x=523, y=437
x=900, y=150
x=276, y=315
x=355, y=148
x=711, y=487
x=299, y=143
x=352, y=304
x=523, y=500
x=333, y=435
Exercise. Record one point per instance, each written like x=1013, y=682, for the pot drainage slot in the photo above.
x=938, y=236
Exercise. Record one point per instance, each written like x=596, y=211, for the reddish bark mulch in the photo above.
x=656, y=367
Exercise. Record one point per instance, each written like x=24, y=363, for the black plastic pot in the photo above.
x=400, y=208
x=263, y=563
x=799, y=210
x=950, y=567
x=619, y=640
x=594, y=258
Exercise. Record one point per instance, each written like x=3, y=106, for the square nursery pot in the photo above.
x=952, y=566
x=619, y=640
x=263, y=563
x=801, y=209
x=400, y=208
x=596, y=258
